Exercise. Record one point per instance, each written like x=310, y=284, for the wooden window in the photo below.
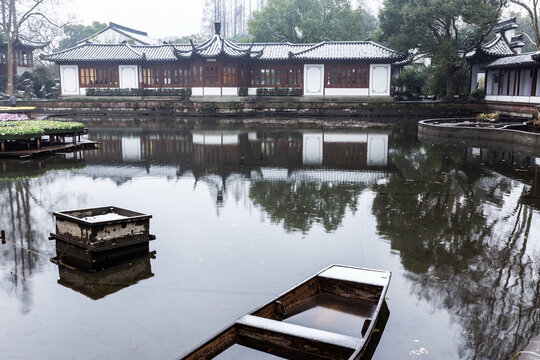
x=211, y=75
x=151, y=77
x=293, y=77
x=197, y=75
x=267, y=77
x=165, y=76
x=229, y=76
x=347, y=76
x=98, y=76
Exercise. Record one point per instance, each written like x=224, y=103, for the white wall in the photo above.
x=69, y=78
x=197, y=91
x=229, y=91
x=514, y=99
x=129, y=76
x=313, y=80
x=212, y=91
x=379, y=75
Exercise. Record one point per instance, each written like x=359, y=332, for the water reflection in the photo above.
x=97, y=285
x=463, y=220
x=468, y=240
x=298, y=177
x=23, y=215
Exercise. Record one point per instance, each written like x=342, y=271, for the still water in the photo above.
x=242, y=215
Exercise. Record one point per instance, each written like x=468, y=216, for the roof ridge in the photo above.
x=316, y=46
x=135, y=51
x=125, y=28
x=123, y=33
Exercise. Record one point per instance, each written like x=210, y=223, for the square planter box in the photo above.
x=96, y=238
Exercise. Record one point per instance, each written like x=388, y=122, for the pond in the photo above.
x=242, y=215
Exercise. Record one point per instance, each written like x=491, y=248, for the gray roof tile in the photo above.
x=520, y=60
x=217, y=45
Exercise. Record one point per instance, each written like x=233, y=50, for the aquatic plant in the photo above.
x=488, y=117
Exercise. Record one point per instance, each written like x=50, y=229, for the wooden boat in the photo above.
x=333, y=315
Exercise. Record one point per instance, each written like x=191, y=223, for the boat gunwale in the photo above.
x=360, y=349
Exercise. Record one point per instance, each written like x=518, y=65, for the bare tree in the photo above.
x=18, y=17
x=532, y=9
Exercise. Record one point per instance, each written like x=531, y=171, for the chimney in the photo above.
x=217, y=26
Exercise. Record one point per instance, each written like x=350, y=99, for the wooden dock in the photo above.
x=48, y=149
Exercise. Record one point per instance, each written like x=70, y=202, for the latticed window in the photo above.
x=211, y=76
x=347, y=76
x=98, y=76
x=270, y=77
x=197, y=75
x=229, y=76
x=293, y=77
x=165, y=76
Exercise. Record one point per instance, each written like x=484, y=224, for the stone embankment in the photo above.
x=255, y=107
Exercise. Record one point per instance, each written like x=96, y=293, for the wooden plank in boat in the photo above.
x=326, y=337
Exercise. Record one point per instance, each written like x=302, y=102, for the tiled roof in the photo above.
x=347, y=50
x=218, y=46
x=515, y=61
x=96, y=52
x=140, y=37
x=497, y=47
x=277, y=51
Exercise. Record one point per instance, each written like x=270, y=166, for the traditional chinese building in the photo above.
x=116, y=34
x=220, y=67
x=23, y=57
x=507, y=43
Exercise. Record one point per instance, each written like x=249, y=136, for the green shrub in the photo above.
x=279, y=91
x=478, y=94
x=184, y=93
x=242, y=91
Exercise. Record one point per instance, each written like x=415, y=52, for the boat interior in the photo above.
x=330, y=316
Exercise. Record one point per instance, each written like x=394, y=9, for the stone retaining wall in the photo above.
x=254, y=108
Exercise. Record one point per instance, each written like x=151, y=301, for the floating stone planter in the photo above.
x=96, y=238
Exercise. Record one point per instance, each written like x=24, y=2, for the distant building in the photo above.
x=23, y=57
x=507, y=43
x=116, y=34
x=219, y=67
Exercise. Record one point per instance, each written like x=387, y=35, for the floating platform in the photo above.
x=50, y=149
x=337, y=314
x=97, y=238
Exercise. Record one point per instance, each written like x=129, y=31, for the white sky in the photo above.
x=159, y=18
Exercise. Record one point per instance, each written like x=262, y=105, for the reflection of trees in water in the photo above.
x=299, y=205
x=465, y=250
x=18, y=264
x=26, y=217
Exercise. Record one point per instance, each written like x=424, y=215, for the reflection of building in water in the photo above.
x=100, y=284
x=214, y=148
x=510, y=163
x=345, y=149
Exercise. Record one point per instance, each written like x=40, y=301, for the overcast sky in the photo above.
x=160, y=18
